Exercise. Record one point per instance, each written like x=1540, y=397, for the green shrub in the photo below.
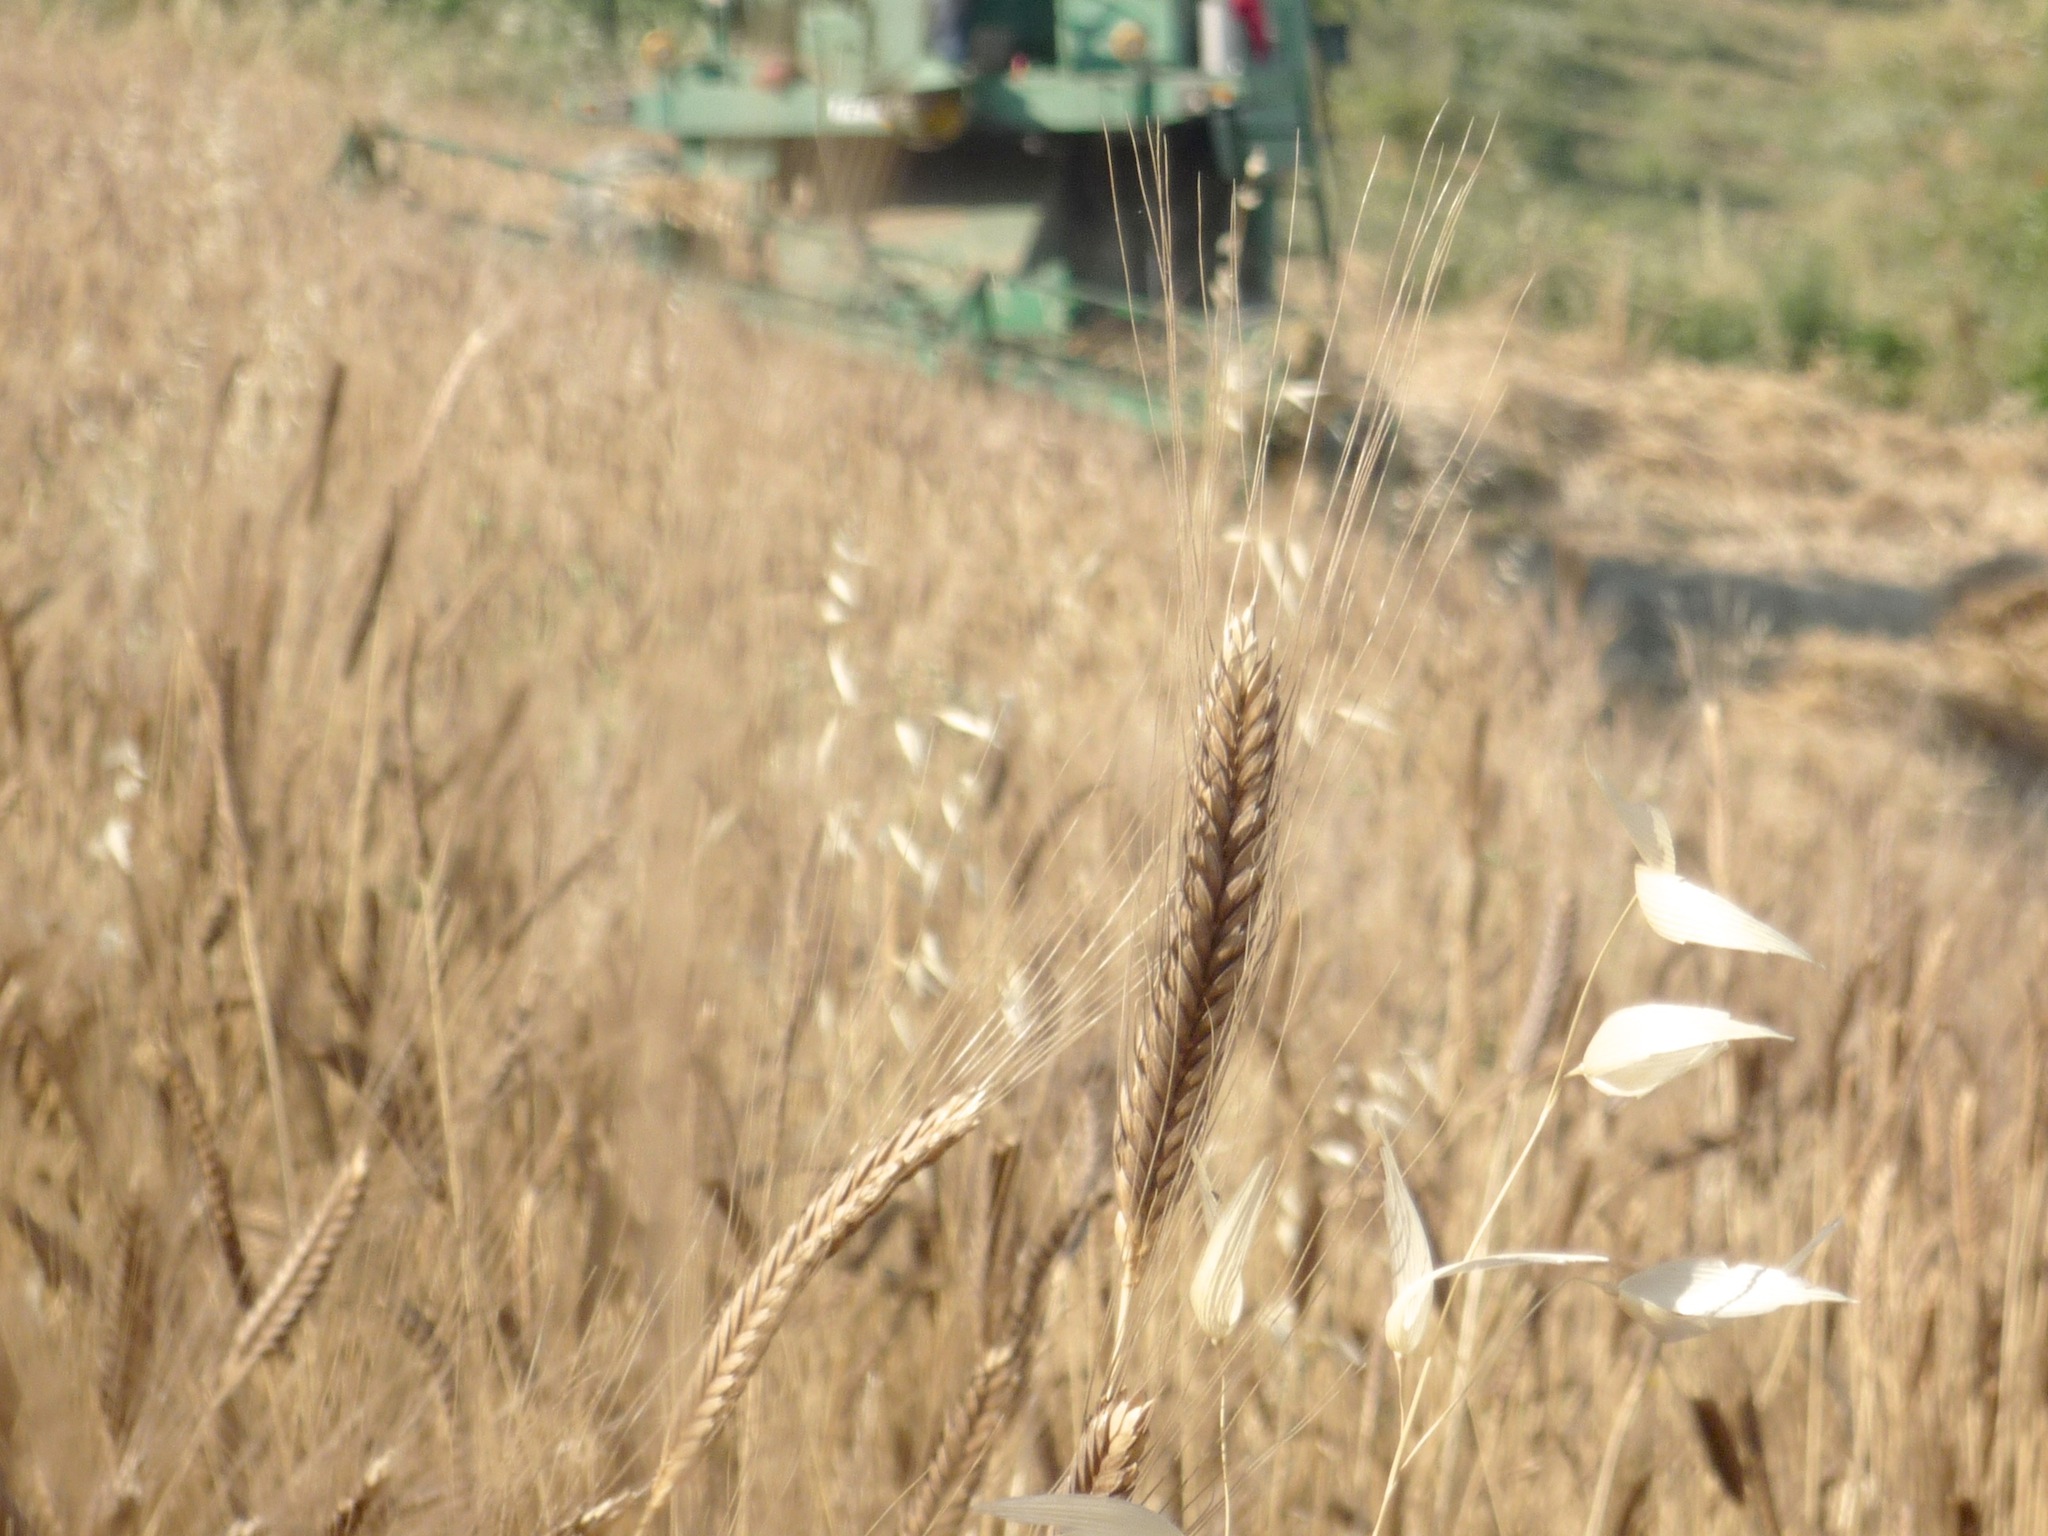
x=1889, y=358
x=1810, y=310
x=2032, y=377
x=1712, y=328
x=1565, y=296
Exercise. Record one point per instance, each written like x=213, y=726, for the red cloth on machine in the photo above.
x=1252, y=14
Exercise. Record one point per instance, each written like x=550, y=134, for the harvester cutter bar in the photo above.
x=358, y=151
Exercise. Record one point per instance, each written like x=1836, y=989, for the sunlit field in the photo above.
x=621, y=920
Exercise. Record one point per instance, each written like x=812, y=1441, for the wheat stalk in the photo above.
x=352, y=1513
x=1172, y=1065
x=228, y=794
x=131, y=1325
x=938, y=1503
x=940, y=1499
x=1546, y=985
x=272, y=1316
x=216, y=1193
x=1112, y=1441
x=14, y=1520
x=756, y=1309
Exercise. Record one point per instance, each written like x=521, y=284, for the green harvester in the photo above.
x=1029, y=187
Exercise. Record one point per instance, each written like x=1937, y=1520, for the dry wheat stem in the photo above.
x=227, y=792
x=352, y=1513
x=215, y=1191
x=437, y=1018
x=938, y=1503
x=756, y=1309
x=1171, y=1066
x=1610, y=1458
x=14, y=1520
x=1107, y=1454
x=298, y=1280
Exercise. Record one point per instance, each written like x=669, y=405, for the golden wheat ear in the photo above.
x=756, y=1309
x=1546, y=986
x=1112, y=1443
x=296, y=1285
x=1172, y=1063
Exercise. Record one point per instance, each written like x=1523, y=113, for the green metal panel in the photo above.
x=1040, y=306
x=832, y=44
x=1087, y=100
x=694, y=107
x=900, y=40
x=1000, y=30
x=1086, y=27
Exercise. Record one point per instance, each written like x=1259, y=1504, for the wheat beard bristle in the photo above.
x=756, y=1309
x=1112, y=1442
x=1171, y=1067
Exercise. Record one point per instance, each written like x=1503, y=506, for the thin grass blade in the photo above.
x=1686, y=913
x=1641, y=1048
x=1646, y=826
x=1217, y=1292
x=1684, y=1298
x=1082, y=1514
x=1412, y=1314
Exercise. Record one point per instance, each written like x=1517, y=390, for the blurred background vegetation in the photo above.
x=1858, y=188
x=1854, y=187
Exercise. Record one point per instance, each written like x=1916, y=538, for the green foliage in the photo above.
x=1565, y=296
x=1809, y=307
x=1714, y=328
x=2032, y=377
x=1890, y=356
x=1783, y=180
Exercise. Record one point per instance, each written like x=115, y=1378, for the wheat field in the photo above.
x=596, y=896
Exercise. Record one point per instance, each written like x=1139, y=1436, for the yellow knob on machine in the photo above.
x=1127, y=41
x=658, y=50
x=935, y=119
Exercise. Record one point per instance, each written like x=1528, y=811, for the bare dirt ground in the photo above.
x=1740, y=471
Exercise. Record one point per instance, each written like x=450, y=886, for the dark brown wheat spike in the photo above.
x=130, y=1325
x=216, y=1193
x=1171, y=1066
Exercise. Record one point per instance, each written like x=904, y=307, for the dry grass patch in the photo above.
x=482, y=858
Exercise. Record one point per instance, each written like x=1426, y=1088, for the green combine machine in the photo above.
x=1029, y=185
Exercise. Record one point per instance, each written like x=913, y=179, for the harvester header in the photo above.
x=986, y=174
